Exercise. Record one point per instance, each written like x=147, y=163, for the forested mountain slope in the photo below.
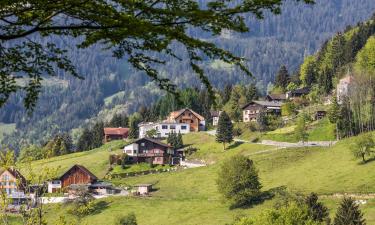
x=110, y=83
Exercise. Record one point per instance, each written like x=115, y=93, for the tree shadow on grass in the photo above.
x=99, y=207
x=264, y=196
x=234, y=145
x=369, y=160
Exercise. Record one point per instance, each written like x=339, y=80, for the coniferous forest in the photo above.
x=112, y=86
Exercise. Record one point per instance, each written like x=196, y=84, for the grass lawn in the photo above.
x=321, y=130
x=137, y=168
x=96, y=160
x=6, y=128
x=191, y=196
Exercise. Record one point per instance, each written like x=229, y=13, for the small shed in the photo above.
x=143, y=189
x=101, y=188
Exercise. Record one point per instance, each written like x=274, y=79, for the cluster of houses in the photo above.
x=152, y=150
x=78, y=177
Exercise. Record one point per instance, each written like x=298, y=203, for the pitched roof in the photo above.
x=116, y=131
x=264, y=103
x=15, y=173
x=84, y=169
x=153, y=141
x=277, y=96
x=215, y=113
x=177, y=113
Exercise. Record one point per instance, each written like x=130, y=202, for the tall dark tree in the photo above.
x=282, y=78
x=97, y=135
x=85, y=140
x=317, y=211
x=134, y=120
x=224, y=132
x=251, y=92
x=179, y=142
x=226, y=93
x=349, y=213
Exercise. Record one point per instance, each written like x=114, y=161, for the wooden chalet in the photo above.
x=77, y=175
x=252, y=110
x=12, y=181
x=149, y=150
x=188, y=116
x=119, y=133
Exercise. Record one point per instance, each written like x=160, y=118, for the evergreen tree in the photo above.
x=85, y=140
x=317, y=211
x=349, y=213
x=134, y=120
x=97, y=135
x=282, y=78
x=226, y=93
x=251, y=93
x=179, y=142
x=172, y=139
x=224, y=132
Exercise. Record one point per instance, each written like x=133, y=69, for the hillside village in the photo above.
x=300, y=153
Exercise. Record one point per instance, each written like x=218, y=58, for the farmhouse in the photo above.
x=12, y=182
x=149, y=150
x=196, y=121
x=163, y=129
x=119, y=133
x=77, y=175
x=252, y=110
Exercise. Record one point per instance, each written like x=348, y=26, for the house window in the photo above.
x=183, y=127
x=164, y=127
x=143, y=144
x=172, y=127
x=134, y=151
x=191, y=121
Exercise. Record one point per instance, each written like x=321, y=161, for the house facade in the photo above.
x=188, y=116
x=163, y=129
x=12, y=182
x=111, y=133
x=343, y=88
x=252, y=110
x=77, y=175
x=149, y=150
x=215, y=117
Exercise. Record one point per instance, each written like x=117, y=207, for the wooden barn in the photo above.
x=77, y=175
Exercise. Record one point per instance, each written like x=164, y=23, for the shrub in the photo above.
x=238, y=181
x=349, y=214
x=129, y=219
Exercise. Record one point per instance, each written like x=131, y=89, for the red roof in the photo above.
x=116, y=131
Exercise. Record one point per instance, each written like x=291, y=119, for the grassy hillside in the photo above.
x=191, y=196
x=95, y=160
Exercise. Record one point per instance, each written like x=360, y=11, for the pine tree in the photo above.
x=179, y=143
x=317, y=211
x=226, y=93
x=282, y=78
x=348, y=213
x=97, y=135
x=133, y=126
x=334, y=114
x=224, y=132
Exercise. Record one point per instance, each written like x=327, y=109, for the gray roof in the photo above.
x=264, y=103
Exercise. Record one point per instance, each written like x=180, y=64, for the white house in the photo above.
x=215, y=117
x=54, y=186
x=163, y=129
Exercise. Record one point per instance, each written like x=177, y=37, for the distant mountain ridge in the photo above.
x=277, y=40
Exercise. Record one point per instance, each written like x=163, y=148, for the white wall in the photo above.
x=163, y=129
x=131, y=149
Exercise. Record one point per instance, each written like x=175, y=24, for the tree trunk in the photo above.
x=363, y=158
x=224, y=145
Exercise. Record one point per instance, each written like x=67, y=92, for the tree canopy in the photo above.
x=131, y=29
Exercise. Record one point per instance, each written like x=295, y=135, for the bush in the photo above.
x=129, y=219
x=238, y=181
x=237, y=132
